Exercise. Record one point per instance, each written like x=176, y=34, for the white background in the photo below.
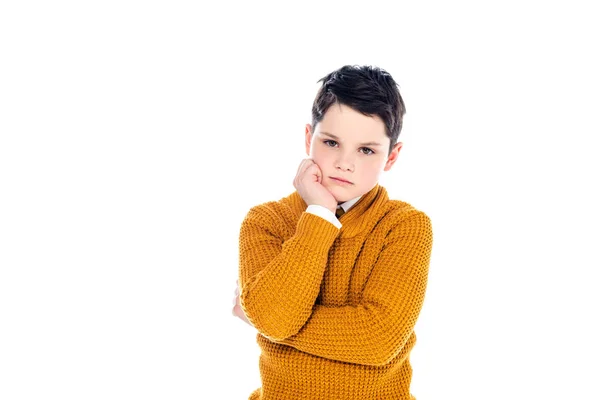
x=135, y=136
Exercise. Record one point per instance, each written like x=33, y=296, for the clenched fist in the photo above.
x=308, y=184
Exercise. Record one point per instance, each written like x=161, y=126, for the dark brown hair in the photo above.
x=366, y=89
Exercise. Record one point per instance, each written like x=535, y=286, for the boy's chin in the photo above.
x=339, y=199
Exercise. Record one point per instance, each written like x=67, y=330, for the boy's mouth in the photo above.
x=339, y=179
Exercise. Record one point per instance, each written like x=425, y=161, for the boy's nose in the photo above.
x=346, y=164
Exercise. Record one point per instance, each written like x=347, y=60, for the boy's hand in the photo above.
x=308, y=184
x=237, y=308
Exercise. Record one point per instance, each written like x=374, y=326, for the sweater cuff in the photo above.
x=320, y=233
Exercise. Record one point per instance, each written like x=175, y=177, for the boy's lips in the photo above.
x=340, y=179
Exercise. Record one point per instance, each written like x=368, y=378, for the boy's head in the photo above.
x=355, y=108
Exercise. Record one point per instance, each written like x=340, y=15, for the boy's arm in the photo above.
x=375, y=331
x=280, y=281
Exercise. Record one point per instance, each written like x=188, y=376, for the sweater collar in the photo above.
x=357, y=216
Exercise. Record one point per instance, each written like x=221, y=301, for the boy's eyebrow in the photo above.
x=362, y=144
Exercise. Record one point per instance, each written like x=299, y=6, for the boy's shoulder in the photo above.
x=400, y=210
x=274, y=209
x=292, y=206
x=402, y=206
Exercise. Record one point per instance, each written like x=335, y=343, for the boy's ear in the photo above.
x=393, y=156
x=307, y=138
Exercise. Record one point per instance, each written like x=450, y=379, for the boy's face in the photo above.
x=347, y=157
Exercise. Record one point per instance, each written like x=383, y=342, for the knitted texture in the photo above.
x=335, y=309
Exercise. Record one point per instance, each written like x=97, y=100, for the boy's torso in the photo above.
x=354, y=252
x=351, y=259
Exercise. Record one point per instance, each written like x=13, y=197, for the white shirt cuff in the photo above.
x=324, y=213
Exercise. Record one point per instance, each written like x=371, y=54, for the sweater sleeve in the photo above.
x=375, y=331
x=325, y=213
x=280, y=280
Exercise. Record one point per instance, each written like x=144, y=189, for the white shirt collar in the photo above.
x=348, y=204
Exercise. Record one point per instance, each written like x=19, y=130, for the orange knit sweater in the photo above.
x=334, y=308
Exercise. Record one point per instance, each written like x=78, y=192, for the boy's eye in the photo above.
x=333, y=141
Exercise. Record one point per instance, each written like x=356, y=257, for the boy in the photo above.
x=333, y=276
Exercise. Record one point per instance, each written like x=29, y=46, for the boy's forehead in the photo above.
x=345, y=123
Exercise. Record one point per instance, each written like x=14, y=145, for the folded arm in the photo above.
x=280, y=280
x=375, y=331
